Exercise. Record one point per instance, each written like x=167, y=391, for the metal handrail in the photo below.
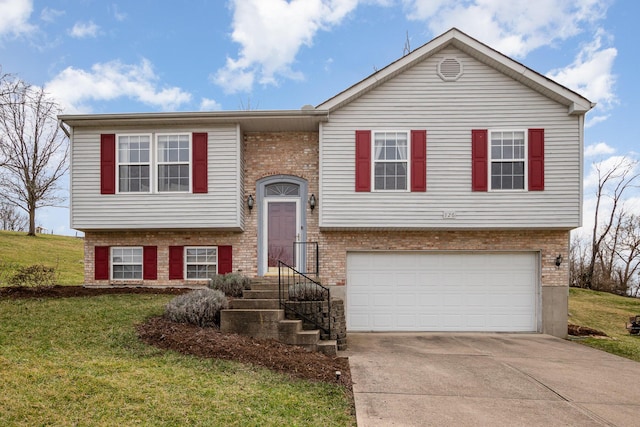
x=306, y=257
x=313, y=293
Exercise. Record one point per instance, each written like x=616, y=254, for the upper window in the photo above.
x=126, y=263
x=173, y=162
x=201, y=262
x=508, y=160
x=390, y=160
x=133, y=164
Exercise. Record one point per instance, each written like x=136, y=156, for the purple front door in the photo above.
x=281, y=232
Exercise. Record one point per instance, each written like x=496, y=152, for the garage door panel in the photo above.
x=426, y=291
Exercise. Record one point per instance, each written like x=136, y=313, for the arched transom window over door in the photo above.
x=283, y=189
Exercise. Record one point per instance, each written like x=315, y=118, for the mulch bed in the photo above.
x=210, y=342
x=583, y=331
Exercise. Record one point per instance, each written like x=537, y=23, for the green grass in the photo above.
x=65, y=254
x=607, y=313
x=77, y=361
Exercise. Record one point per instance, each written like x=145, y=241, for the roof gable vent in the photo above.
x=450, y=69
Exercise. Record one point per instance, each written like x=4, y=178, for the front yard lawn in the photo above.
x=78, y=361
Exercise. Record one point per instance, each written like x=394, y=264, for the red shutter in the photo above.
x=101, y=262
x=536, y=159
x=363, y=160
x=479, y=160
x=225, y=264
x=176, y=264
x=199, y=147
x=107, y=164
x=418, y=160
x=150, y=263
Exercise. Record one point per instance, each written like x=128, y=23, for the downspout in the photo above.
x=64, y=129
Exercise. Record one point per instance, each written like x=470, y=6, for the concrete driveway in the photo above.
x=442, y=379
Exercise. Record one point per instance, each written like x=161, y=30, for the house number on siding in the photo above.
x=448, y=214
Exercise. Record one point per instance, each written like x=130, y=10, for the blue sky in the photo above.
x=144, y=55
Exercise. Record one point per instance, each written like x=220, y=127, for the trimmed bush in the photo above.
x=34, y=275
x=306, y=292
x=201, y=307
x=231, y=284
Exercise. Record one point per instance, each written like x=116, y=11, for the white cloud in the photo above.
x=270, y=33
x=50, y=15
x=598, y=149
x=591, y=73
x=84, y=29
x=14, y=17
x=514, y=28
x=75, y=89
x=210, y=105
x=594, y=120
x=120, y=16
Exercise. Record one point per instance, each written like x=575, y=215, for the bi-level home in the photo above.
x=437, y=194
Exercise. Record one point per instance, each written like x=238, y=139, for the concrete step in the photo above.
x=328, y=347
x=254, y=304
x=263, y=323
x=264, y=286
x=307, y=337
x=289, y=326
x=259, y=294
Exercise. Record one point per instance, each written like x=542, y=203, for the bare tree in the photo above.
x=33, y=150
x=11, y=219
x=627, y=253
x=612, y=184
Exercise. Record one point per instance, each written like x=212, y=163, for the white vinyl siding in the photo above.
x=219, y=208
x=482, y=98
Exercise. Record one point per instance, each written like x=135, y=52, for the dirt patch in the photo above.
x=584, y=331
x=210, y=342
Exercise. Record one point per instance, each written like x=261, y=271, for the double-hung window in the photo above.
x=133, y=164
x=126, y=263
x=508, y=160
x=201, y=262
x=173, y=163
x=390, y=160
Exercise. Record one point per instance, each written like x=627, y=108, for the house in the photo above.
x=437, y=194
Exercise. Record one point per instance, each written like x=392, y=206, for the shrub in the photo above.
x=201, y=307
x=34, y=275
x=306, y=292
x=231, y=284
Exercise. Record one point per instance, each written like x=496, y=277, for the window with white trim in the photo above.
x=134, y=164
x=201, y=262
x=126, y=263
x=508, y=160
x=173, y=163
x=390, y=160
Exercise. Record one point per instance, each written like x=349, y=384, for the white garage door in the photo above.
x=434, y=291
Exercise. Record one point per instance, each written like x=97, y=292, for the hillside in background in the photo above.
x=63, y=253
x=607, y=313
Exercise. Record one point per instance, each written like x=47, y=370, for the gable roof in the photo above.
x=576, y=104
